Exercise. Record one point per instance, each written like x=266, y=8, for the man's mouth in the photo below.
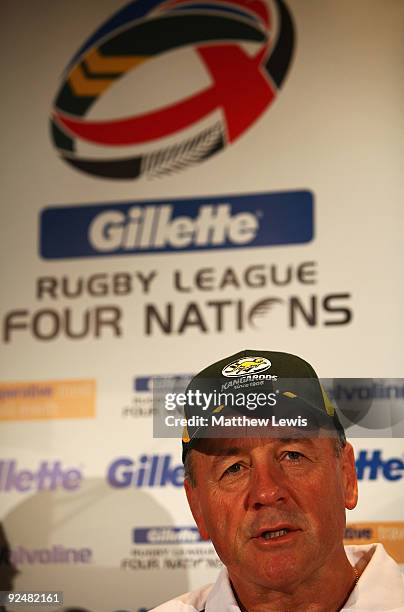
x=270, y=535
x=275, y=533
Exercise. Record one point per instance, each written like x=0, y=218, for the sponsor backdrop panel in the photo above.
x=182, y=181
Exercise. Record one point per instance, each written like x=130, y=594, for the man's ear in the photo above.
x=349, y=477
x=195, y=506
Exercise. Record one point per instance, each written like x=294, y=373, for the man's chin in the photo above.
x=277, y=567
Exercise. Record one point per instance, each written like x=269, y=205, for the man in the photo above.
x=268, y=477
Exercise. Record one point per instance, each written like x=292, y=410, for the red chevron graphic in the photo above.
x=239, y=88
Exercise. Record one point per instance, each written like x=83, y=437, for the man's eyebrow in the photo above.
x=229, y=452
x=232, y=451
x=238, y=450
x=297, y=438
x=226, y=452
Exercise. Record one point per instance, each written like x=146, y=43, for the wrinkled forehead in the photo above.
x=231, y=446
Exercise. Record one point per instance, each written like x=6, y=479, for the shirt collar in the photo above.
x=380, y=581
x=221, y=596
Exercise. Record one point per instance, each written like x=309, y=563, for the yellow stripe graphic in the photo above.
x=97, y=62
x=82, y=86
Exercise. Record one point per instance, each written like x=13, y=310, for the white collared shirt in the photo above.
x=380, y=588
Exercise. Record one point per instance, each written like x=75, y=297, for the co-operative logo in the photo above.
x=245, y=48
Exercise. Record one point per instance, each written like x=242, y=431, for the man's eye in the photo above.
x=293, y=456
x=233, y=469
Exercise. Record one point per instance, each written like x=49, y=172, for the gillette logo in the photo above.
x=48, y=477
x=147, y=471
x=179, y=225
x=371, y=466
x=144, y=384
x=166, y=535
x=113, y=230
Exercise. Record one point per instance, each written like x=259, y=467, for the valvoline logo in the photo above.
x=245, y=48
x=137, y=227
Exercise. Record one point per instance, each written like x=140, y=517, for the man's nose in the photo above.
x=266, y=486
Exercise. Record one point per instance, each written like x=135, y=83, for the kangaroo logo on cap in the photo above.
x=246, y=365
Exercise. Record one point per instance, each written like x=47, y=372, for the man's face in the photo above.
x=273, y=508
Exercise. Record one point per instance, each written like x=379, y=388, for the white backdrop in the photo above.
x=72, y=408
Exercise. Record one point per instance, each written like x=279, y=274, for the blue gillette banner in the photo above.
x=145, y=383
x=177, y=225
x=166, y=535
